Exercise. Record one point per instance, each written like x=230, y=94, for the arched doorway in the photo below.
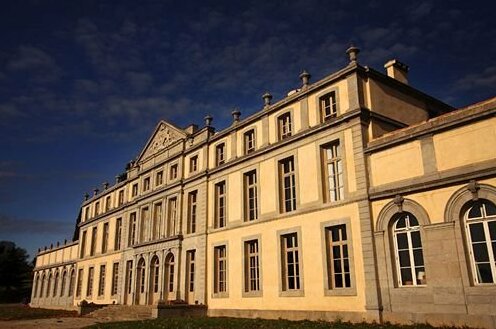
x=154, y=280
x=140, y=282
x=169, y=277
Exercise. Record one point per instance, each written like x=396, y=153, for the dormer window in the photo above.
x=108, y=203
x=220, y=154
x=284, y=126
x=97, y=208
x=328, y=106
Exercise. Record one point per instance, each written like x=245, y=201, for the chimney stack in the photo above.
x=397, y=70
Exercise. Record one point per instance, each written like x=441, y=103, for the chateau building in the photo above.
x=356, y=197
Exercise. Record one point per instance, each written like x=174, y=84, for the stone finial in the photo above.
x=267, y=97
x=105, y=185
x=58, y=243
x=236, y=114
x=117, y=178
x=208, y=120
x=51, y=245
x=65, y=241
x=398, y=201
x=39, y=249
x=86, y=196
x=95, y=191
x=353, y=54
x=474, y=188
x=305, y=78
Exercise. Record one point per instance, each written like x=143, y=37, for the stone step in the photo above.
x=123, y=312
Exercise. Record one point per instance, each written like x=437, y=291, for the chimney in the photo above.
x=397, y=70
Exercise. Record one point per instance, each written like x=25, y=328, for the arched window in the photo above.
x=141, y=275
x=480, y=226
x=62, y=285
x=154, y=269
x=43, y=278
x=49, y=283
x=408, y=252
x=55, y=284
x=169, y=264
x=72, y=281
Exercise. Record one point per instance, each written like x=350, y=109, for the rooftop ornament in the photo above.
x=305, y=78
x=267, y=97
x=236, y=114
x=353, y=54
x=208, y=120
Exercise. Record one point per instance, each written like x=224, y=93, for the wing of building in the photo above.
x=356, y=197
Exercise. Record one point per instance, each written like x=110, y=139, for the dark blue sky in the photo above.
x=83, y=83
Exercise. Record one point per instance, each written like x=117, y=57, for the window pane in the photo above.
x=406, y=277
x=404, y=258
x=402, y=241
x=345, y=251
x=338, y=280
x=484, y=273
x=480, y=252
x=477, y=232
x=418, y=257
x=492, y=230
x=490, y=208
x=346, y=264
x=412, y=220
x=401, y=222
x=337, y=266
x=416, y=243
x=336, y=252
x=347, y=280
x=475, y=211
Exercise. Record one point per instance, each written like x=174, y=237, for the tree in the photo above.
x=15, y=273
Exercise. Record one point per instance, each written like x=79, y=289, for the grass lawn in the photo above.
x=225, y=323
x=22, y=312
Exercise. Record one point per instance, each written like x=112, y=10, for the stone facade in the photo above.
x=348, y=199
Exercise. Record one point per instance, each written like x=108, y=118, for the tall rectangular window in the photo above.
x=157, y=220
x=190, y=258
x=192, y=212
x=118, y=234
x=328, y=106
x=145, y=225
x=193, y=163
x=250, y=195
x=159, y=178
x=115, y=278
x=333, y=169
x=121, y=198
x=284, y=126
x=171, y=218
x=97, y=208
x=338, y=261
x=220, y=205
x=146, y=184
x=132, y=229
x=173, y=172
x=89, y=286
x=220, y=154
x=93, y=241
x=249, y=141
x=83, y=245
x=129, y=276
x=105, y=237
x=252, y=266
x=287, y=183
x=134, y=190
x=101, y=282
x=220, y=270
x=108, y=203
x=86, y=213
x=79, y=285
x=290, y=271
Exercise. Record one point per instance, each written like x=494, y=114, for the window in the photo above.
x=72, y=280
x=159, y=178
x=220, y=154
x=328, y=106
x=118, y=234
x=173, y=172
x=93, y=241
x=169, y=261
x=333, y=169
x=154, y=268
x=49, y=284
x=145, y=225
x=134, y=190
x=284, y=126
x=79, y=286
x=338, y=258
x=190, y=258
x=132, y=229
x=89, y=287
x=252, y=266
x=86, y=213
x=105, y=237
x=480, y=226
x=129, y=276
x=63, y=284
x=171, y=218
x=146, y=184
x=290, y=271
x=191, y=226
x=115, y=278
x=193, y=164
x=157, y=219
x=97, y=208
x=108, y=203
x=121, y=198
x=42, y=285
x=287, y=183
x=141, y=272
x=220, y=205
x=250, y=195
x=220, y=269
x=101, y=282
x=249, y=141
x=83, y=245
x=408, y=251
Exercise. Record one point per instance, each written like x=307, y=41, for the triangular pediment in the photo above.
x=164, y=135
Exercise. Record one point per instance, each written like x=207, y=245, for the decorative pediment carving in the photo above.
x=164, y=136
